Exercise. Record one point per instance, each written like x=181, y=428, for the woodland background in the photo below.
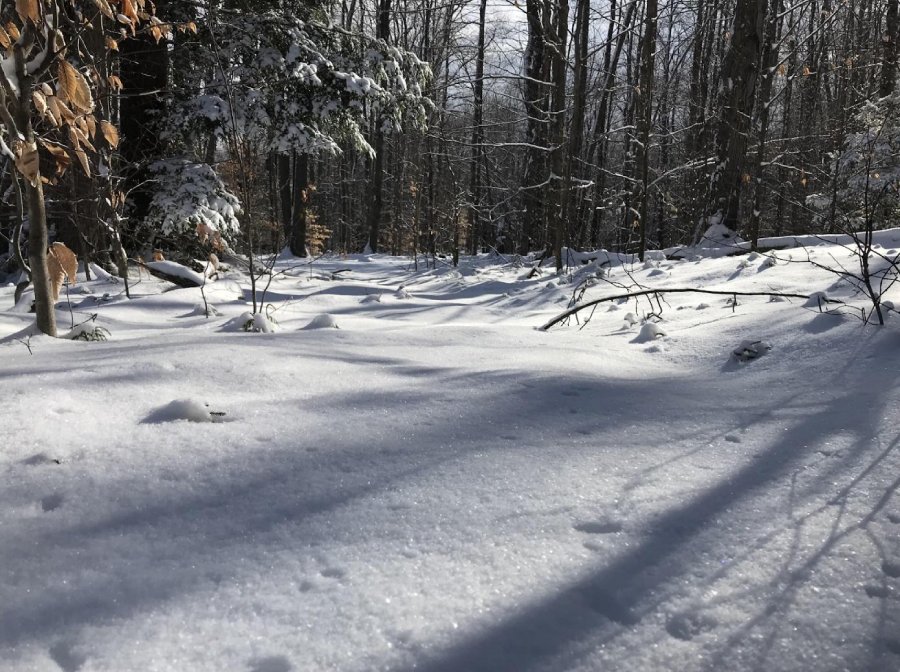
x=448, y=127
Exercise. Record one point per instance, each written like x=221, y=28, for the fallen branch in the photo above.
x=173, y=272
x=675, y=290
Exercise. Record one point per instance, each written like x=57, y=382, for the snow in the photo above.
x=439, y=485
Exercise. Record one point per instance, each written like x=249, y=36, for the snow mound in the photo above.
x=748, y=350
x=816, y=300
x=631, y=319
x=402, y=294
x=371, y=298
x=649, y=332
x=180, y=409
x=249, y=322
x=323, y=321
x=719, y=235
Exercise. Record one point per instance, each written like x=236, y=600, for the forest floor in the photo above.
x=438, y=485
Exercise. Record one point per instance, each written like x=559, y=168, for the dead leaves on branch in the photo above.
x=28, y=162
x=64, y=111
x=30, y=10
x=73, y=88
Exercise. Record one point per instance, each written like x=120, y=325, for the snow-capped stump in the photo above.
x=87, y=331
x=748, y=350
x=207, y=310
x=631, y=319
x=816, y=300
x=769, y=262
x=649, y=332
x=247, y=321
x=184, y=409
x=323, y=321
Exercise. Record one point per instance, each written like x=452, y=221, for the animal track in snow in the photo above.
x=877, y=591
x=64, y=655
x=687, y=625
x=333, y=573
x=891, y=568
x=599, y=527
x=51, y=502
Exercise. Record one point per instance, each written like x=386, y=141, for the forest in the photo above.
x=440, y=127
x=449, y=336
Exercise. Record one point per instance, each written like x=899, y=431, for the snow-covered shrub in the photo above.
x=323, y=321
x=866, y=171
x=190, y=199
x=88, y=332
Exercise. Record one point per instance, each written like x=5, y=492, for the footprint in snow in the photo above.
x=65, y=655
x=333, y=573
x=877, y=591
x=607, y=604
x=894, y=518
x=689, y=624
x=270, y=664
x=51, y=502
x=599, y=527
x=733, y=438
x=40, y=458
x=891, y=568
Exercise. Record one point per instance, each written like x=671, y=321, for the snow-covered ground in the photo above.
x=438, y=485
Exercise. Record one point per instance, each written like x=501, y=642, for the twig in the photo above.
x=674, y=290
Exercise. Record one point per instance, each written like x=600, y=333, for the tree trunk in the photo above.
x=889, y=45
x=535, y=91
x=376, y=199
x=740, y=73
x=558, y=188
x=300, y=194
x=477, y=139
x=644, y=107
x=285, y=190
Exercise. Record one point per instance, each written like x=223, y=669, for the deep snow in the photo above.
x=437, y=485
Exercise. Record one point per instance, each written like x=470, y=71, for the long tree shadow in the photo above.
x=549, y=633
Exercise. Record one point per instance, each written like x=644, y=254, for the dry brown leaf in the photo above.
x=156, y=33
x=114, y=82
x=90, y=125
x=29, y=10
x=5, y=39
x=40, y=102
x=111, y=44
x=28, y=162
x=60, y=157
x=105, y=9
x=110, y=133
x=12, y=30
x=73, y=87
x=80, y=138
x=129, y=10
x=82, y=157
x=47, y=89
x=66, y=116
x=53, y=112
